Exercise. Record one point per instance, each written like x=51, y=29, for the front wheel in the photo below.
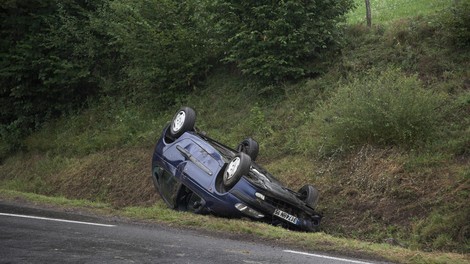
x=236, y=168
x=309, y=195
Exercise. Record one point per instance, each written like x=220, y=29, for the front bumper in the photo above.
x=271, y=211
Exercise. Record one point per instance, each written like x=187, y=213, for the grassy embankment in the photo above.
x=389, y=181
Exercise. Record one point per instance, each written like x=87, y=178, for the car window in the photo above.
x=169, y=186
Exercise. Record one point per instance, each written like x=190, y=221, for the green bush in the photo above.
x=58, y=56
x=457, y=20
x=50, y=63
x=277, y=40
x=381, y=108
x=163, y=43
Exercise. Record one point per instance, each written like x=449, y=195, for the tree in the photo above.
x=368, y=14
x=277, y=40
x=50, y=59
x=164, y=45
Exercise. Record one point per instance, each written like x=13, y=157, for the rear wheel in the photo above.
x=250, y=147
x=309, y=195
x=183, y=121
x=194, y=203
x=237, y=167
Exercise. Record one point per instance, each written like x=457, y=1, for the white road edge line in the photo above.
x=327, y=257
x=55, y=219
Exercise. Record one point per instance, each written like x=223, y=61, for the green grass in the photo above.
x=104, y=125
x=52, y=200
x=388, y=11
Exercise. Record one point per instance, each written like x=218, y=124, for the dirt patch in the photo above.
x=120, y=177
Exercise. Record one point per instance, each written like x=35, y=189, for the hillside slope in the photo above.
x=411, y=190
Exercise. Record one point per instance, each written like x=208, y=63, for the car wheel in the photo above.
x=183, y=121
x=194, y=203
x=249, y=146
x=236, y=168
x=309, y=195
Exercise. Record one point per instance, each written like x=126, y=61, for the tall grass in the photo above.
x=106, y=125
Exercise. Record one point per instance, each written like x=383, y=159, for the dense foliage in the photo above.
x=162, y=44
x=51, y=61
x=278, y=40
x=458, y=21
x=57, y=56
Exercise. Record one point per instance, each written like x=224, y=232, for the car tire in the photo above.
x=183, y=121
x=250, y=147
x=309, y=195
x=235, y=169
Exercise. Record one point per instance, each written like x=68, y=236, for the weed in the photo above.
x=443, y=230
x=259, y=128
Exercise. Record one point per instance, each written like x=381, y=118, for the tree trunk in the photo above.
x=368, y=14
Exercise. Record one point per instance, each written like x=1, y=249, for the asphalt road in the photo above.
x=33, y=235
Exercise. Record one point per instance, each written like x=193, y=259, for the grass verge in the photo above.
x=241, y=228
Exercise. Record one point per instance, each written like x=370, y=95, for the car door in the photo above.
x=199, y=168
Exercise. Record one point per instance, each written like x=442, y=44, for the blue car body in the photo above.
x=187, y=173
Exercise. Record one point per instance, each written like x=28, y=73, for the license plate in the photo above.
x=285, y=216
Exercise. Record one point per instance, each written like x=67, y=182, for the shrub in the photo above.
x=457, y=20
x=49, y=65
x=277, y=40
x=162, y=42
x=381, y=108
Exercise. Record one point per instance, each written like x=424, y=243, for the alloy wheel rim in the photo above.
x=179, y=121
x=232, y=168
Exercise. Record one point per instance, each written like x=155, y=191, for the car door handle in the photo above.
x=188, y=155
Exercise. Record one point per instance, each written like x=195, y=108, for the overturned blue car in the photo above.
x=195, y=173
